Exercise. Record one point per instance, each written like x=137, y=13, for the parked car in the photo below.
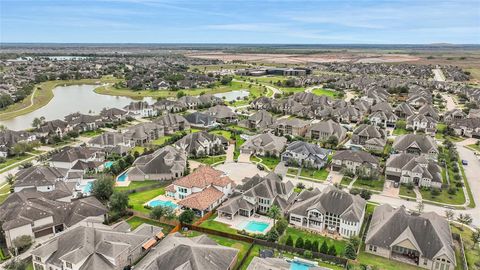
x=464, y=162
x=396, y=184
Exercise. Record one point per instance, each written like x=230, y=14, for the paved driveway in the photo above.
x=244, y=158
x=389, y=190
x=238, y=171
x=229, y=152
x=336, y=177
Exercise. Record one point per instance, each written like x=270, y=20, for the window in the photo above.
x=68, y=265
x=38, y=259
x=425, y=261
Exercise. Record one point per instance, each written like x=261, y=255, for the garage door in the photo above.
x=395, y=178
x=43, y=232
x=336, y=168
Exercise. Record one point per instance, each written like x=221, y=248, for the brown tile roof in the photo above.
x=202, y=177
x=169, y=188
x=202, y=200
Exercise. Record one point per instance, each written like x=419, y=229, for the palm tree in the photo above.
x=275, y=213
x=10, y=179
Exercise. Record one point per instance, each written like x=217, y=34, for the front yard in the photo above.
x=211, y=160
x=270, y=162
x=320, y=175
x=444, y=197
x=375, y=185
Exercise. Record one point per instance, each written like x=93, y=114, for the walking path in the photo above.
x=352, y=182
x=418, y=195
x=25, y=108
x=438, y=75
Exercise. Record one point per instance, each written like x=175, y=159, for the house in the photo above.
x=357, y=162
x=291, y=127
x=140, y=109
x=112, y=142
x=38, y=214
x=474, y=113
x=423, y=123
x=165, y=163
x=332, y=210
x=222, y=114
x=54, y=128
x=201, y=120
x=383, y=119
x=262, y=103
x=96, y=247
x=113, y=115
x=82, y=122
x=410, y=168
x=453, y=115
x=424, y=240
x=370, y=137
x=202, y=144
x=9, y=138
x=143, y=133
x=172, y=123
x=68, y=156
x=347, y=114
x=260, y=120
x=180, y=252
x=209, y=100
x=325, y=129
x=189, y=102
x=468, y=127
x=265, y=144
x=40, y=178
x=417, y=101
x=418, y=144
x=257, y=195
x=169, y=106
x=202, y=190
x=404, y=110
x=429, y=110
x=305, y=154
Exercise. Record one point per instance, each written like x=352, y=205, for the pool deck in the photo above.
x=238, y=221
x=166, y=198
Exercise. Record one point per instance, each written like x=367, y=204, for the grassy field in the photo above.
x=475, y=147
x=211, y=160
x=11, y=160
x=225, y=133
x=444, y=197
x=376, y=185
x=324, y=92
x=135, y=221
x=138, y=199
x=270, y=162
x=404, y=191
x=43, y=95
x=471, y=252
x=316, y=174
x=296, y=233
x=137, y=184
x=210, y=223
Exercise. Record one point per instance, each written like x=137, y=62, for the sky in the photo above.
x=241, y=21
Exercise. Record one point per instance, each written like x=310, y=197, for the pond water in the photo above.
x=233, y=95
x=67, y=100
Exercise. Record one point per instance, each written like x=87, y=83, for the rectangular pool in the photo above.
x=155, y=203
x=255, y=226
x=122, y=177
x=294, y=265
x=87, y=189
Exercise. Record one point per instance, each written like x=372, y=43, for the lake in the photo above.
x=70, y=99
x=233, y=95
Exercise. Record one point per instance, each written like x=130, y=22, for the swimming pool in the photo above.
x=108, y=164
x=122, y=177
x=294, y=265
x=155, y=203
x=87, y=189
x=255, y=226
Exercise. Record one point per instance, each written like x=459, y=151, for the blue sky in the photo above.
x=240, y=21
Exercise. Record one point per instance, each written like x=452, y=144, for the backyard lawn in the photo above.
x=225, y=133
x=324, y=92
x=138, y=199
x=471, y=252
x=313, y=173
x=135, y=221
x=137, y=184
x=241, y=246
x=296, y=233
x=382, y=263
x=210, y=223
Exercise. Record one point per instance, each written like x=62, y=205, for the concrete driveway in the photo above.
x=237, y=171
x=244, y=158
x=389, y=190
x=336, y=177
x=230, y=151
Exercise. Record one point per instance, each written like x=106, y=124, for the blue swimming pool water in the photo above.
x=255, y=226
x=88, y=187
x=155, y=203
x=122, y=177
x=108, y=164
x=299, y=266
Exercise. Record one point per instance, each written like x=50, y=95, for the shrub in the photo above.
x=435, y=191
x=289, y=241
x=350, y=252
x=307, y=245
x=22, y=242
x=299, y=242
x=332, y=250
x=281, y=226
x=315, y=246
x=452, y=191
x=307, y=254
x=324, y=247
x=187, y=216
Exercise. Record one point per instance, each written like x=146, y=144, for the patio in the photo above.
x=239, y=222
x=166, y=199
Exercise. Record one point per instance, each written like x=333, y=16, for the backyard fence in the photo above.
x=458, y=238
x=254, y=241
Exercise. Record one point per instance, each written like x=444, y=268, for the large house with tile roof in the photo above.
x=202, y=190
x=332, y=210
x=423, y=240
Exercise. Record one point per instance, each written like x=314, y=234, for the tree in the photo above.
x=332, y=250
x=37, y=122
x=10, y=179
x=22, y=243
x=281, y=226
x=272, y=235
x=289, y=241
x=16, y=264
x=350, y=252
x=315, y=246
x=119, y=202
x=102, y=188
x=324, y=247
x=274, y=213
x=476, y=238
x=170, y=213
x=157, y=212
x=465, y=219
x=187, y=216
x=355, y=241
x=299, y=242
x=366, y=194
x=449, y=214
x=307, y=244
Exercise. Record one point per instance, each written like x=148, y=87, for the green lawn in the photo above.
x=138, y=199
x=137, y=184
x=211, y=160
x=225, y=133
x=404, y=191
x=91, y=133
x=293, y=171
x=471, y=252
x=11, y=160
x=316, y=174
x=382, y=263
x=238, y=142
x=210, y=223
x=475, y=147
x=400, y=131
x=135, y=221
x=270, y=162
x=139, y=149
x=161, y=140
x=324, y=92
x=369, y=184
x=346, y=181
x=444, y=197
x=295, y=233
x=254, y=159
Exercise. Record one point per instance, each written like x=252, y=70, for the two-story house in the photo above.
x=305, y=154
